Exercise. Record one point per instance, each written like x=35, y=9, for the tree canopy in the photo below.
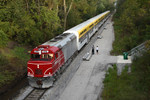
x=132, y=24
x=36, y=21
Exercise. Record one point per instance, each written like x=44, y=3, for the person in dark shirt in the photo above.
x=93, y=50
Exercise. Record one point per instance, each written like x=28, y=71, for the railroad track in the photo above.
x=35, y=94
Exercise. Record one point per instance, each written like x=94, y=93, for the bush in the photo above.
x=3, y=39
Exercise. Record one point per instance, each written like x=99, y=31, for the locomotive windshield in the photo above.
x=35, y=56
x=43, y=57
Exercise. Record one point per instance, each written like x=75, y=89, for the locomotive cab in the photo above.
x=41, y=59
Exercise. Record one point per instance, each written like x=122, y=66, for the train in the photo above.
x=50, y=58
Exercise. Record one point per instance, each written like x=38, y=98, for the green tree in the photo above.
x=131, y=24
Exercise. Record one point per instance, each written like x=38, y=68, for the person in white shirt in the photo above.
x=97, y=49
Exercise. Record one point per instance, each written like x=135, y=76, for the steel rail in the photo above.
x=35, y=94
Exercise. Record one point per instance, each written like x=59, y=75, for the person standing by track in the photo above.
x=93, y=50
x=97, y=49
